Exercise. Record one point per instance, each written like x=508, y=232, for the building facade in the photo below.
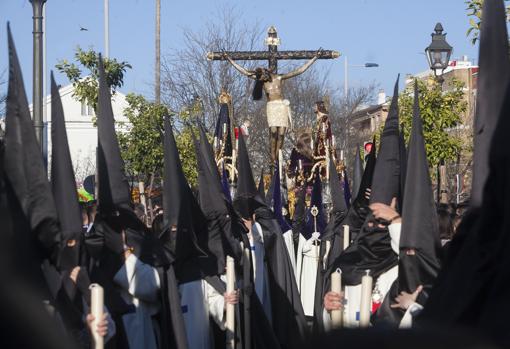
x=81, y=129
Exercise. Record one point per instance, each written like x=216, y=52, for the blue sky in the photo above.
x=392, y=33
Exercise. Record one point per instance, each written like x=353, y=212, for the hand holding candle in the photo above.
x=336, y=287
x=96, y=309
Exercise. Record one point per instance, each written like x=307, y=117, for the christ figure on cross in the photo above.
x=278, y=110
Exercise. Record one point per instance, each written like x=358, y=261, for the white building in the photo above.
x=81, y=132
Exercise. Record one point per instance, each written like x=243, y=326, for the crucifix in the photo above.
x=268, y=80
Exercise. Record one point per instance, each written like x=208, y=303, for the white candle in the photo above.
x=366, y=300
x=347, y=240
x=96, y=309
x=333, y=141
x=230, y=320
x=326, y=254
x=234, y=160
x=300, y=165
x=280, y=165
x=327, y=165
x=336, y=286
x=224, y=128
x=311, y=143
x=341, y=155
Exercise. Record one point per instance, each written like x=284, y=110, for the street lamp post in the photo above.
x=346, y=71
x=37, y=108
x=438, y=53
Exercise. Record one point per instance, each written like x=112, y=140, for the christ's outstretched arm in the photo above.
x=248, y=73
x=303, y=68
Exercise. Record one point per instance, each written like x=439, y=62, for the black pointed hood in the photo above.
x=176, y=190
x=336, y=189
x=299, y=218
x=223, y=223
x=494, y=71
x=386, y=181
x=339, y=209
x=420, y=228
x=260, y=188
x=357, y=173
x=346, y=188
x=177, y=195
x=183, y=219
x=62, y=174
x=210, y=192
x=24, y=166
x=63, y=183
x=212, y=203
x=208, y=155
x=115, y=205
x=223, y=124
x=277, y=202
x=247, y=198
x=367, y=179
x=403, y=168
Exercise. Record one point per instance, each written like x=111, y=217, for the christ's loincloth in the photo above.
x=278, y=113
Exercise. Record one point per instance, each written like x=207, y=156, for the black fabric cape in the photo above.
x=221, y=216
x=478, y=262
x=330, y=233
x=420, y=227
x=288, y=317
x=357, y=173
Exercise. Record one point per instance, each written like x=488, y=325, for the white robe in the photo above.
x=288, y=238
x=306, y=271
x=259, y=268
x=139, y=284
x=198, y=301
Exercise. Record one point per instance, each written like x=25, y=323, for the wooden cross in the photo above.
x=272, y=55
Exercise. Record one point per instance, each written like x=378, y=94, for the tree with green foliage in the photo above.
x=86, y=86
x=141, y=138
x=441, y=112
x=474, y=8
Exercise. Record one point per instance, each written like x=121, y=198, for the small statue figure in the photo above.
x=323, y=134
x=301, y=158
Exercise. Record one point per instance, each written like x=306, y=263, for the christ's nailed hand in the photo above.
x=333, y=301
